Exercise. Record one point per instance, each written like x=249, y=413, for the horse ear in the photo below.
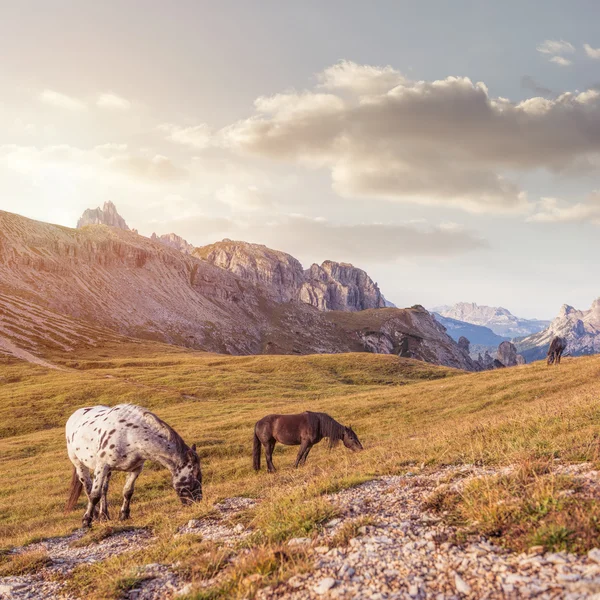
x=193, y=447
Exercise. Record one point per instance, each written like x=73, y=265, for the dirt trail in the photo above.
x=12, y=349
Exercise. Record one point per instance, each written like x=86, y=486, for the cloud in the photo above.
x=318, y=238
x=561, y=60
x=555, y=47
x=362, y=79
x=244, y=198
x=98, y=163
x=592, y=52
x=112, y=101
x=552, y=210
x=529, y=83
x=198, y=136
x=62, y=101
x=445, y=142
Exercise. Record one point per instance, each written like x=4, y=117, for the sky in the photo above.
x=450, y=149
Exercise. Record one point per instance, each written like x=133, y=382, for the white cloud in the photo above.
x=592, y=52
x=553, y=210
x=198, y=136
x=555, y=47
x=561, y=60
x=62, y=101
x=362, y=79
x=445, y=142
x=244, y=198
x=112, y=101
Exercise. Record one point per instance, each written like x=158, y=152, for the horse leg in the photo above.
x=99, y=478
x=308, y=448
x=103, y=513
x=303, y=449
x=128, y=493
x=84, y=476
x=269, y=455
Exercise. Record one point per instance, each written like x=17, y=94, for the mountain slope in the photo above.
x=580, y=328
x=501, y=321
x=476, y=334
x=137, y=287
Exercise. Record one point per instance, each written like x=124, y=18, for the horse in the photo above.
x=305, y=429
x=104, y=439
x=557, y=347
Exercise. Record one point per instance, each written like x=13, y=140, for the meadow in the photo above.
x=409, y=415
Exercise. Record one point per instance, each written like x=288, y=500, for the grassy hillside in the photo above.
x=408, y=415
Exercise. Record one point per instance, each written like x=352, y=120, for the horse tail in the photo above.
x=74, y=492
x=256, y=453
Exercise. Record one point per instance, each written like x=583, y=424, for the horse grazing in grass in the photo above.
x=557, y=347
x=104, y=439
x=305, y=429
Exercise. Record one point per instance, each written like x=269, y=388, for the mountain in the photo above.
x=107, y=215
x=329, y=286
x=173, y=241
x=477, y=334
x=109, y=278
x=501, y=321
x=580, y=328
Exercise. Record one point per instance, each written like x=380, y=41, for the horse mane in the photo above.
x=328, y=427
x=160, y=426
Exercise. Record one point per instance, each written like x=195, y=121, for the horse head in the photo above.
x=351, y=440
x=187, y=477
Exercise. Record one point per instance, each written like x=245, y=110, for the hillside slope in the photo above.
x=412, y=418
x=116, y=279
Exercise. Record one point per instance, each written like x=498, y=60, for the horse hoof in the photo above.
x=123, y=517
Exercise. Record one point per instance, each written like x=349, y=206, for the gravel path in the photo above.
x=407, y=553
x=63, y=559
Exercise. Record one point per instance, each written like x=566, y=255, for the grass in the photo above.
x=531, y=506
x=406, y=413
x=24, y=563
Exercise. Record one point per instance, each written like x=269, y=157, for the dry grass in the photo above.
x=24, y=563
x=405, y=413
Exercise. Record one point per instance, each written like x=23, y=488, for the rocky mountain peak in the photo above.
x=107, y=215
x=173, y=241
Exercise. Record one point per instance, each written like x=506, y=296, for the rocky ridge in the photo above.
x=329, y=286
x=173, y=241
x=580, y=329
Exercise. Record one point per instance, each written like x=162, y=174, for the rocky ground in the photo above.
x=404, y=552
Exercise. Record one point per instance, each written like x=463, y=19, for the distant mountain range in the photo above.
x=501, y=321
x=478, y=335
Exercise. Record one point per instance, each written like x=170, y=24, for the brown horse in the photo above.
x=557, y=347
x=305, y=429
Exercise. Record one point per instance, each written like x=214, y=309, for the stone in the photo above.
x=461, y=585
x=239, y=528
x=324, y=586
x=303, y=541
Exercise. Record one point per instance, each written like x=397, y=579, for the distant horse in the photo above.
x=557, y=347
x=104, y=439
x=305, y=429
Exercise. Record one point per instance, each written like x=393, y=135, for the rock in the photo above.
x=324, y=586
x=594, y=554
x=194, y=523
x=173, y=241
x=461, y=585
x=239, y=528
x=303, y=541
x=107, y=215
x=536, y=550
x=507, y=354
x=464, y=344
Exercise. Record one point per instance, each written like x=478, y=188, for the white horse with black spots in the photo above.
x=101, y=439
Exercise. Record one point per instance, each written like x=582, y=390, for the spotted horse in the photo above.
x=103, y=439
